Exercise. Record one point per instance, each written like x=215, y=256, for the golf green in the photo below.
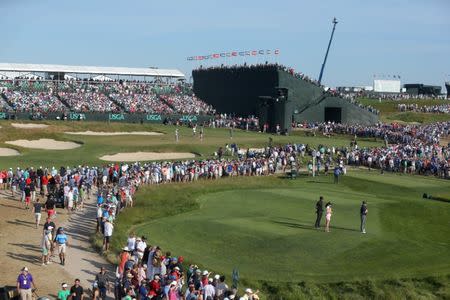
x=267, y=233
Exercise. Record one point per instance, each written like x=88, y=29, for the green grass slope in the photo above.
x=263, y=227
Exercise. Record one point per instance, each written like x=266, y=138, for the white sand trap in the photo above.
x=28, y=125
x=46, y=144
x=8, y=152
x=139, y=156
x=102, y=133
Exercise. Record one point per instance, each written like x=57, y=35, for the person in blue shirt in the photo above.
x=99, y=199
x=337, y=173
x=62, y=243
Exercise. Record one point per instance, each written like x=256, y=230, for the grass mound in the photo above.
x=263, y=227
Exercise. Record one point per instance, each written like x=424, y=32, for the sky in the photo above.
x=383, y=37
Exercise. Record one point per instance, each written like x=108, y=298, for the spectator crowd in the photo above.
x=45, y=96
x=435, y=109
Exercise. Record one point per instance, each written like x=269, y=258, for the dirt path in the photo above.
x=83, y=262
x=20, y=246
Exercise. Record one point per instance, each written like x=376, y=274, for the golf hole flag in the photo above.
x=235, y=54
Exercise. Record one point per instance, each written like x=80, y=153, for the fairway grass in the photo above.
x=94, y=147
x=263, y=227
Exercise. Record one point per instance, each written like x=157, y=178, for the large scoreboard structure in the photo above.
x=387, y=86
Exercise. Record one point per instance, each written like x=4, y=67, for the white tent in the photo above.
x=102, y=78
x=69, y=77
x=31, y=76
x=91, y=70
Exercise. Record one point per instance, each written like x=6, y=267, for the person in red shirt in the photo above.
x=205, y=278
x=155, y=286
x=44, y=184
x=3, y=179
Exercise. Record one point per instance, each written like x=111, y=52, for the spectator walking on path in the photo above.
x=62, y=242
x=64, y=293
x=46, y=246
x=107, y=232
x=37, y=208
x=102, y=282
x=76, y=291
x=24, y=283
x=363, y=212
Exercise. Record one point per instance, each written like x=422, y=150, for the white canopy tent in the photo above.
x=102, y=78
x=69, y=77
x=64, y=69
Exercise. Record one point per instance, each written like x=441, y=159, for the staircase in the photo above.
x=10, y=104
x=315, y=102
x=167, y=103
x=66, y=104
x=120, y=105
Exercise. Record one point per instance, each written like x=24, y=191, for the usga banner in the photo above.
x=234, y=54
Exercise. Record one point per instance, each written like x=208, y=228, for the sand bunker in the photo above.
x=102, y=133
x=28, y=125
x=139, y=156
x=8, y=152
x=46, y=144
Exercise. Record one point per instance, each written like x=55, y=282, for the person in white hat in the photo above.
x=123, y=258
x=250, y=295
x=64, y=292
x=24, y=283
x=209, y=290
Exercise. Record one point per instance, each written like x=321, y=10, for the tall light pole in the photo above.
x=328, y=49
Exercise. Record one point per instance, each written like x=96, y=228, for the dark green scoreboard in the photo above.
x=276, y=96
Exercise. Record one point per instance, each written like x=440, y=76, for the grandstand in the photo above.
x=50, y=89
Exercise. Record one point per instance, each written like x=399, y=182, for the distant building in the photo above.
x=422, y=89
x=447, y=86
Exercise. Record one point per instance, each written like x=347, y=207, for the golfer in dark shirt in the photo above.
x=363, y=212
x=319, y=211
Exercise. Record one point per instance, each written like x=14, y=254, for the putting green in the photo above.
x=267, y=233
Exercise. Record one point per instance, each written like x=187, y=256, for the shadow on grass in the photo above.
x=308, y=226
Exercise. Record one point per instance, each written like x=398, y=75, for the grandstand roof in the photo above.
x=90, y=70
